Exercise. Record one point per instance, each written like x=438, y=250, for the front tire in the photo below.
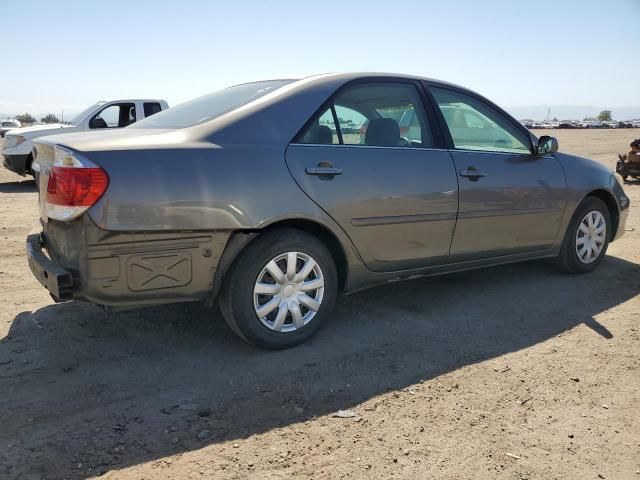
x=586, y=239
x=280, y=289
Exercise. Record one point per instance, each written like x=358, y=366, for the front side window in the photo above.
x=476, y=126
x=375, y=114
x=117, y=115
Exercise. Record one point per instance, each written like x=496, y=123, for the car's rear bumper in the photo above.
x=16, y=163
x=77, y=260
x=53, y=277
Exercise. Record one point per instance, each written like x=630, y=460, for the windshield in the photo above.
x=8, y=124
x=208, y=107
x=78, y=118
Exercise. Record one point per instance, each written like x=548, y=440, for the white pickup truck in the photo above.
x=18, y=142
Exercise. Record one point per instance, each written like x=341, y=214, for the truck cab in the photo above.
x=102, y=115
x=8, y=124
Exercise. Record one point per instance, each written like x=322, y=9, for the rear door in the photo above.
x=394, y=193
x=511, y=201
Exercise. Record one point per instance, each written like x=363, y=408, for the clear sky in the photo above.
x=72, y=53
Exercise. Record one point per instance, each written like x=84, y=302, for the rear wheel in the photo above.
x=587, y=237
x=280, y=289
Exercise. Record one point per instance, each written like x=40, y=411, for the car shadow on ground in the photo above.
x=84, y=392
x=24, y=186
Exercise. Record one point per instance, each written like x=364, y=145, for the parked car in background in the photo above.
x=7, y=125
x=248, y=195
x=103, y=115
x=567, y=124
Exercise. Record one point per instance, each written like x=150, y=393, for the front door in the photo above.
x=511, y=201
x=392, y=193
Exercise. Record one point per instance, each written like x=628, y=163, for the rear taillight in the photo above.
x=75, y=184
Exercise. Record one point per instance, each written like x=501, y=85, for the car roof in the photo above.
x=124, y=100
x=350, y=76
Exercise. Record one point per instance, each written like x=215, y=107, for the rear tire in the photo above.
x=286, y=308
x=586, y=239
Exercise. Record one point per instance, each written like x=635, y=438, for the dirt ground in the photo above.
x=516, y=372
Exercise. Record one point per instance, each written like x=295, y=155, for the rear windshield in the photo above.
x=208, y=107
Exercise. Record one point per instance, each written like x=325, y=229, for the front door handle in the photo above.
x=471, y=173
x=323, y=171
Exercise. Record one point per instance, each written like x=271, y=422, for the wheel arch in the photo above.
x=610, y=201
x=240, y=239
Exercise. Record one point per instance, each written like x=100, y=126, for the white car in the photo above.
x=8, y=124
x=18, y=143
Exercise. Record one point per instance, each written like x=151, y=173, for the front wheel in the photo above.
x=587, y=237
x=280, y=289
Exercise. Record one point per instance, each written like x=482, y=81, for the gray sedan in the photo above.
x=275, y=196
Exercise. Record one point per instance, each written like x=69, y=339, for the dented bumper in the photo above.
x=53, y=277
x=123, y=269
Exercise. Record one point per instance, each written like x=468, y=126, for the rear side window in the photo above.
x=323, y=130
x=474, y=125
x=151, y=108
x=374, y=114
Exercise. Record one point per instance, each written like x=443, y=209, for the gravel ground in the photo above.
x=516, y=372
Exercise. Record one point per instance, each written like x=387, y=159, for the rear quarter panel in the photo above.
x=237, y=187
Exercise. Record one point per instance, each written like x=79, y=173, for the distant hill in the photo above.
x=572, y=112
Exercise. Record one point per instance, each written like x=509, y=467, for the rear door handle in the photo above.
x=328, y=171
x=471, y=173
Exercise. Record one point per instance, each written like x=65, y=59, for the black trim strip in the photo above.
x=395, y=220
x=337, y=124
x=504, y=213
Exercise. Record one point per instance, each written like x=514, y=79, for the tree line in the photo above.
x=28, y=118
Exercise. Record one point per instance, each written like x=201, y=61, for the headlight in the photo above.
x=19, y=139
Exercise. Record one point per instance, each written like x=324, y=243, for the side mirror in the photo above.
x=547, y=145
x=98, y=122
